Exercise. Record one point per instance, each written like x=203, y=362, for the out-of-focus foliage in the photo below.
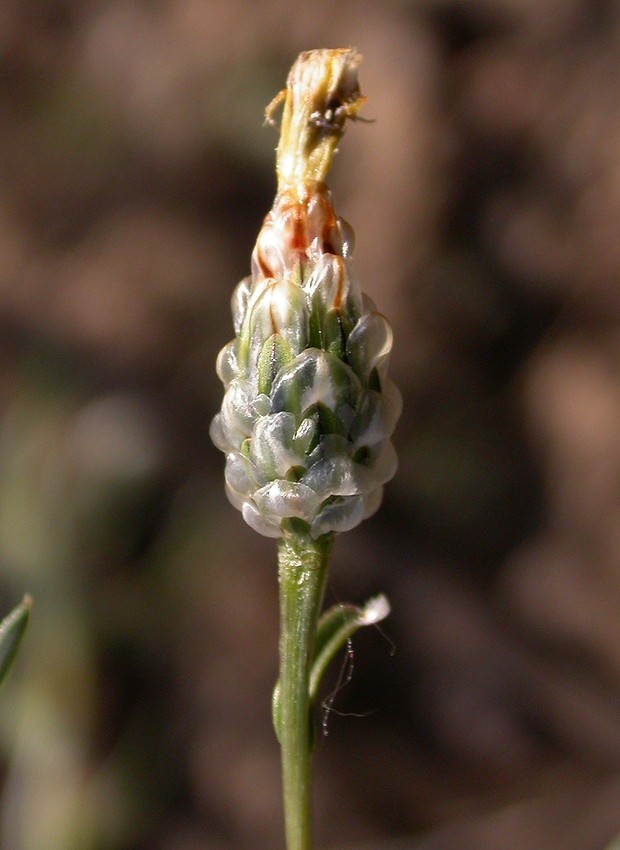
x=12, y=628
x=134, y=176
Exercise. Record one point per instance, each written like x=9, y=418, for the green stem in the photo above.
x=302, y=565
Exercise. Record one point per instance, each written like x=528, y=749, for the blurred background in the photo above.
x=135, y=171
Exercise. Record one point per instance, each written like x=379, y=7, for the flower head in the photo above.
x=309, y=408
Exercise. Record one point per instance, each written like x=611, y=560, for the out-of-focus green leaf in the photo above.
x=12, y=629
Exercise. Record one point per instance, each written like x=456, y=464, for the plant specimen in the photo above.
x=309, y=409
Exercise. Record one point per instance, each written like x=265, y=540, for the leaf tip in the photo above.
x=375, y=610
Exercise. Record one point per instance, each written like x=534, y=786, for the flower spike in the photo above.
x=309, y=408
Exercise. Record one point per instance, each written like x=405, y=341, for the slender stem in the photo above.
x=303, y=570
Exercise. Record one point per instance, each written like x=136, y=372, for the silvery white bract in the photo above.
x=309, y=409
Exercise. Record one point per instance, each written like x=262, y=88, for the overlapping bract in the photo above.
x=309, y=409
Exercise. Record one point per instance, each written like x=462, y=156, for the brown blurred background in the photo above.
x=134, y=174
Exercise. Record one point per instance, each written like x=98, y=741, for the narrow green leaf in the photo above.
x=336, y=626
x=12, y=629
